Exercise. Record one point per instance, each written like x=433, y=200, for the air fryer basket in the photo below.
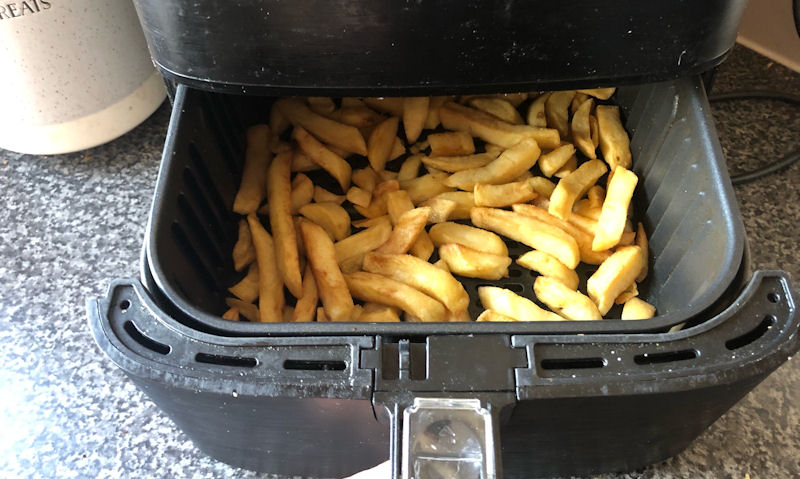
x=684, y=199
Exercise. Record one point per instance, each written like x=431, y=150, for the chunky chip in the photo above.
x=612, y=219
x=492, y=130
x=613, y=276
x=380, y=143
x=418, y=273
x=331, y=217
x=573, y=186
x=380, y=289
x=455, y=143
x=529, y=231
x=503, y=195
x=334, y=133
x=510, y=304
x=636, y=308
x=564, y=301
x=614, y=142
x=507, y=167
x=332, y=288
x=473, y=263
x=475, y=238
x=547, y=265
x=257, y=158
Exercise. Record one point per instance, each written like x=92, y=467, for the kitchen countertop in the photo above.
x=70, y=223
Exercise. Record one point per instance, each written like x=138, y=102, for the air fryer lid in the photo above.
x=362, y=47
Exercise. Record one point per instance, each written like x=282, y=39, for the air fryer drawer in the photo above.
x=684, y=199
x=565, y=398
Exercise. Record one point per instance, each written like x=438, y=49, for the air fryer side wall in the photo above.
x=583, y=436
x=313, y=437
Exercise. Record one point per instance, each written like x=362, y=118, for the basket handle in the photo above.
x=447, y=437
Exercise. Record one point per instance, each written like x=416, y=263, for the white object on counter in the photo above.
x=768, y=28
x=75, y=74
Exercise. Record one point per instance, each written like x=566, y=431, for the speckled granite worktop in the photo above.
x=71, y=223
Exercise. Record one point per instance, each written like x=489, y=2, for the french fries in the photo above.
x=415, y=112
x=614, y=142
x=503, y=195
x=473, y=263
x=492, y=130
x=553, y=161
x=354, y=247
x=333, y=291
x=612, y=219
x=641, y=242
x=573, y=186
x=636, y=308
x=613, y=276
x=456, y=143
x=399, y=202
x=557, y=111
x=334, y=133
x=475, y=238
x=499, y=108
x=564, y=301
x=270, y=289
x=232, y=314
x=377, y=207
x=507, y=167
x=581, y=237
x=328, y=160
x=280, y=219
x=257, y=158
x=378, y=313
x=631, y=292
x=302, y=192
x=441, y=209
x=306, y=306
x=599, y=93
x=547, y=265
x=458, y=163
x=321, y=195
x=247, y=288
x=386, y=266
x=536, y=116
x=359, y=197
x=432, y=121
x=243, y=251
x=420, y=274
x=489, y=315
x=410, y=168
x=463, y=200
x=330, y=216
x=380, y=289
x=358, y=116
x=542, y=186
x=248, y=310
x=406, y=231
x=582, y=130
x=529, y=231
x=381, y=142
x=508, y=303
x=366, y=179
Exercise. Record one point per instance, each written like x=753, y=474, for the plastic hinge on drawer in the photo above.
x=445, y=397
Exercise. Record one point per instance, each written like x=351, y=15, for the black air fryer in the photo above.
x=446, y=399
